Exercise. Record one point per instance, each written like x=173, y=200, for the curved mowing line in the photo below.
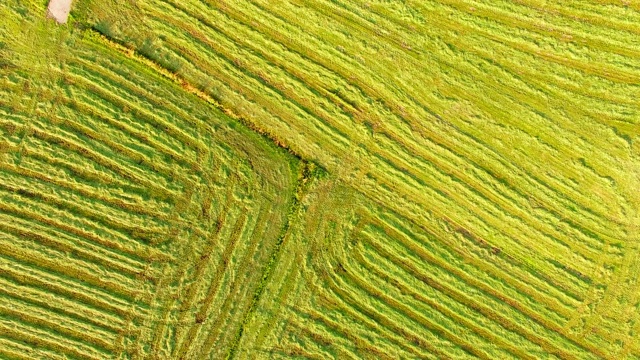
x=489, y=313
x=417, y=218
x=201, y=314
x=358, y=333
x=216, y=334
x=410, y=337
x=496, y=187
x=484, y=267
x=386, y=304
x=174, y=5
x=453, y=69
x=305, y=177
x=478, y=328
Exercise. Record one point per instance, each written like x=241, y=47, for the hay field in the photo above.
x=317, y=179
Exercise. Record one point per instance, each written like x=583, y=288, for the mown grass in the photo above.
x=115, y=178
x=321, y=179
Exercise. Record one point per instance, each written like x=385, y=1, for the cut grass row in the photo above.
x=113, y=181
x=495, y=147
x=191, y=57
x=488, y=307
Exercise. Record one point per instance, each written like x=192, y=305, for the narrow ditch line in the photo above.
x=308, y=170
x=307, y=173
x=188, y=87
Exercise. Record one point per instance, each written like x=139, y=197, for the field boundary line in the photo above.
x=188, y=87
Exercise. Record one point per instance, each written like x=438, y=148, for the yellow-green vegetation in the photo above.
x=261, y=179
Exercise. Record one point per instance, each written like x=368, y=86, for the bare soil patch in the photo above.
x=59, y=10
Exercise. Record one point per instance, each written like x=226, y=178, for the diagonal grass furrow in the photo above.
x=256, y=179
